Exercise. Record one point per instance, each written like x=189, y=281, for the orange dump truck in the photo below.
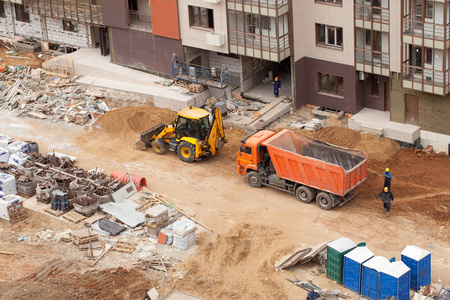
x=308, y=168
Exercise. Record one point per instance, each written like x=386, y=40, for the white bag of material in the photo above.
x=184, y=243
x=5, y=202
x=17, y=147
x=8, y=184
x=183, y=227
x=2, y=195
x=18, y=158
x=5, y=141
x=4, y=155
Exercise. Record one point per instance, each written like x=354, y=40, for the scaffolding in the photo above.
x=209, y=76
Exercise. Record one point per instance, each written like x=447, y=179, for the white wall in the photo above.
x=6, y=23
x=395, y=35
x=32, y=29
x=57, y=34
x=196, y=37
x=307, y=14
x=439, y=142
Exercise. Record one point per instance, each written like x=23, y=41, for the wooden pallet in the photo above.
x=74, y=217
x=82, y=237
x=125, y=247
x=17, y=212
x=25, y=196
x=56, y=213
x=196, y=88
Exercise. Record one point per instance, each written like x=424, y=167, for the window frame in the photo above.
x=24, y=15
x=327, y=29
x=330, y=2
x=2, y=9
x=73, y=26
x=338, y=82
x=375, y=86
x=209, y=17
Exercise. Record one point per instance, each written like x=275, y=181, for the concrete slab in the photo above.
x=100, y=71
x=381, y=119
x=264, y=90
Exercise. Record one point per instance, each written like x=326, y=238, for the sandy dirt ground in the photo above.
x=33, y=60
x=252, y=227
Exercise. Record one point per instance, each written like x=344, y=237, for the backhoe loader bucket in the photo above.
x=148, y=136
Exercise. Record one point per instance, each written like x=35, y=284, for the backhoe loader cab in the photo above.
x=196, y=133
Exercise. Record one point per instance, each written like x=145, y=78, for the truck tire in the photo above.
x=186, y=152
x=305, y=194
x=253, y=179
x=159, y=146
x=324, y=201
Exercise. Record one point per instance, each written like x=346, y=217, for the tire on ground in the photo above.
x=305, y=194
x=159, y=146
x=253, y=179
x=324, y=201
x=186, y=152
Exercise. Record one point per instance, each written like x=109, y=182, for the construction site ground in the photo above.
x=252, y=227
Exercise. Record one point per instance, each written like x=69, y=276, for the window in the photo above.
x=200, y=16
x=329, y=35
x=429, y=10
x=21, y=14
x=2, y=9
x=251, y=23
x=368, y=37
x=375, y=86
x=330, y=84
x=336, y=2
x=429, y=56
x=70, y=26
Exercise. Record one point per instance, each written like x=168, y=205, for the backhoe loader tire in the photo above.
x=186, y=152
x=253, y=179
x=305, y=194
x=324, y=201
x=159, y=146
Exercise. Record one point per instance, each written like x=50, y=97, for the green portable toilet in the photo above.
x=335, y=257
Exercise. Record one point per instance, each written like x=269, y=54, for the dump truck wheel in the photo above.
x=324, y=201
x=186, y=152
x=253, y=179
x=305, y=194
x=159, y=147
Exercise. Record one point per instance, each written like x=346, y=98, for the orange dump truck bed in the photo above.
x=317, y=164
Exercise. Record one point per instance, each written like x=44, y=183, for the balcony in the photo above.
x=271, y=8
x=427, y=34
x=370, y=17
x=424, y=79
x=263, y=47
x=372, y=62
x=138, y=20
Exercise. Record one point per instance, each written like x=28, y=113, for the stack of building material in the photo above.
x=16, y=211
x=6, y=202
x=17, y=147
x=313, y=125
x=8, y=184
x=184, y=234
x=4, y=155
x=155, y=219
x=44, y=190
x=5, y=141
x=18, y=158
x=196, y=88
x=26, y=186
x=83, y=236
x=86, y=205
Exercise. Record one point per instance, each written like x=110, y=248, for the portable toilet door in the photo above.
x=394, y=281
x=419, y=261
x=353, y=267
x=335, y=257
x=370, y=282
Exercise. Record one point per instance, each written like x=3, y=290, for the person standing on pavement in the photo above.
x=386, y=197
x=387, y=178
x=276, y=87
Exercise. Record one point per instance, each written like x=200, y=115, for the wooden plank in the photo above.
x=264, y=110
x=74, y=217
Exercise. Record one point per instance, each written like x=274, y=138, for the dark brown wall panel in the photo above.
x=115, y=13
x=143, y=50
x=306, y=70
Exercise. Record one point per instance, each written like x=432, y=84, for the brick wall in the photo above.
x=6, y=23
x=56, y=34
x=232, y=64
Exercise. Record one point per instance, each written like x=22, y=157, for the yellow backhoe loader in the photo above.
x=196, y=133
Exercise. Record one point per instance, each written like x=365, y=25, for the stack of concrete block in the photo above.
x=184, y=234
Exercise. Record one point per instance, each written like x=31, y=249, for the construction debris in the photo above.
x=303, y=255
x=311, y=287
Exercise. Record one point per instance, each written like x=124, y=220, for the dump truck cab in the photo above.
x=251, y=152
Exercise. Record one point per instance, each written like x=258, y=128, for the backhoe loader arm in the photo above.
x=216, y=132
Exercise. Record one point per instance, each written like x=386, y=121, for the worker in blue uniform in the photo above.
x=387, y=178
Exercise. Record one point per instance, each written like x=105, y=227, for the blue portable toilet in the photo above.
x=394, y=281
x=353, y=262
x=370, y=283
x=419, y=261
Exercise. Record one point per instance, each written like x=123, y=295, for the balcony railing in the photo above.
x=251, y=41
x=82, y=13
x=370, y=13
x=422, y=75
x=425, y=30
x=262, y=3
x=140, y=20
x=373, y=58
